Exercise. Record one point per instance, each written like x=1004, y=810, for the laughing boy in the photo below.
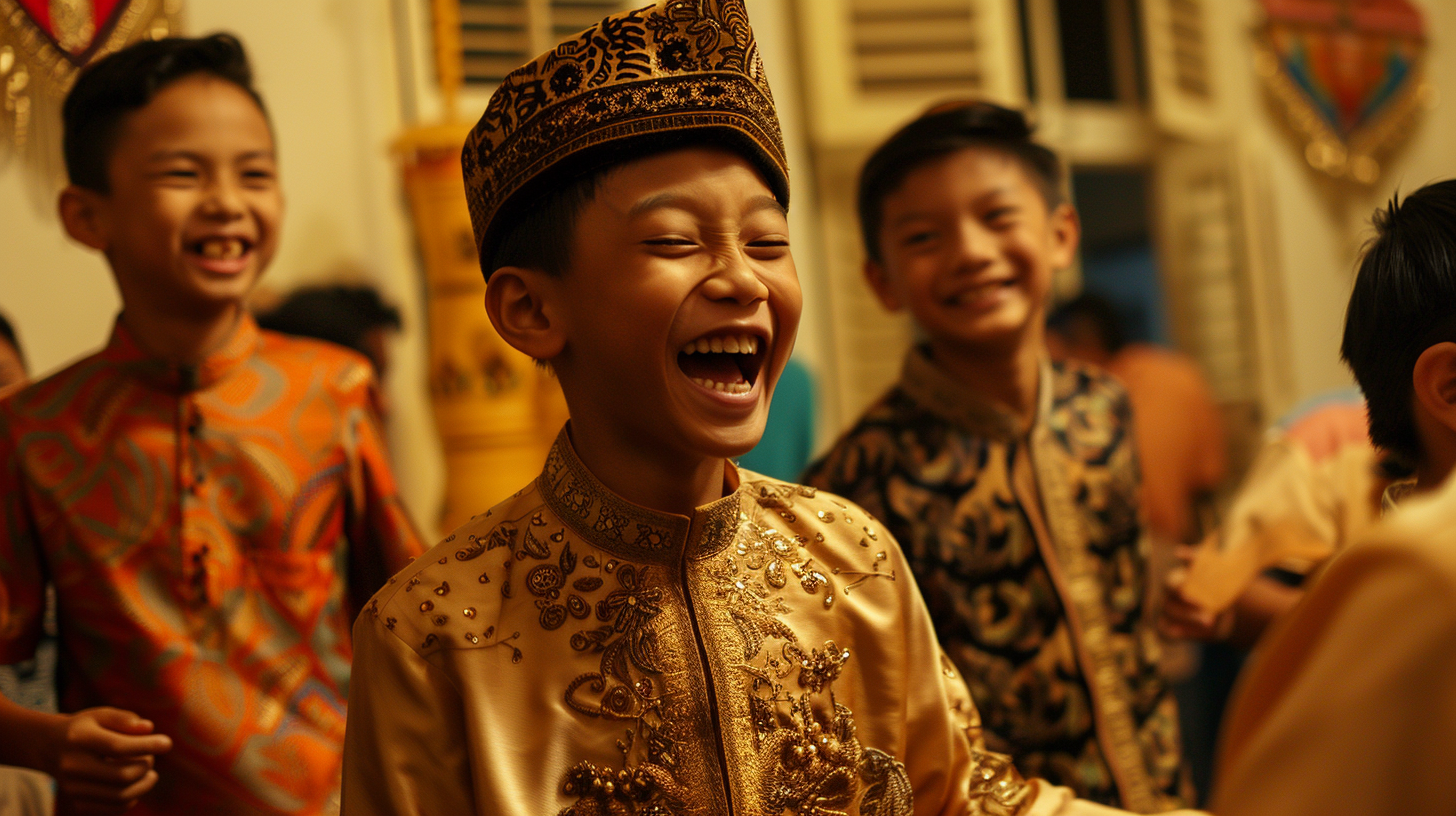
x=645, y=628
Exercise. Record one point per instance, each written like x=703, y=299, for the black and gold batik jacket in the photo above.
x=569, y=652
x=1027, y=549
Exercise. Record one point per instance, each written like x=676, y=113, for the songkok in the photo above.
x=673, y=74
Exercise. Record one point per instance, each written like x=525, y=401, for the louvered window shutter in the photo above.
x=872, y=64
x=1225, y=308
x=1181, y=82
x=496, y=38
x=499, y=36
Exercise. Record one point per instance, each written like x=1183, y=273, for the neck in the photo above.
x=1435, y=468
x=643, y=474
x=180, y=339
x=1009, y=377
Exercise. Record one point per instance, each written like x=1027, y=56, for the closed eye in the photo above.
x=1000, y=214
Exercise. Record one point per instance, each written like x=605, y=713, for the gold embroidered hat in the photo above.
x=675, y=73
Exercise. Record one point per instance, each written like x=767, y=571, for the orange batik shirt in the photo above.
x=210, y=532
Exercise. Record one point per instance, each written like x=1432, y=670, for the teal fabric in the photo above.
x=788, y=439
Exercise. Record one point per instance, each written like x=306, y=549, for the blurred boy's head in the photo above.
x=12, y=359
x=1400, y=328
x=354, y=317
x=964, y=224
x=634, y=233
x=1087, y=328
x=173, y=174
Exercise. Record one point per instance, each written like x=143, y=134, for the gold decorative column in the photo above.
x=496, y=411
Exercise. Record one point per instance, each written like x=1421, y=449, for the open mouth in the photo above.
x=727, y=363
x=220, y=249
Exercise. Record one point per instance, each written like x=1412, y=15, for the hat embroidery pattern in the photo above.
x=675, y=66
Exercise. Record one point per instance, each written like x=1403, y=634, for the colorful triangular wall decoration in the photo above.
x=1349, y=75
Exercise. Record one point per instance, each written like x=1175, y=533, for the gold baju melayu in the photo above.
x=570, y=652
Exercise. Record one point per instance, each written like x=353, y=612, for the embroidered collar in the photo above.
x=936, y=391
x=630, y=530
x=123, y=350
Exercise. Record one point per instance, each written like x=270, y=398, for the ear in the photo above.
x=879, y=280
x=1066, y=235
x=81, y=212
x=1434, y=383
x=522, y=310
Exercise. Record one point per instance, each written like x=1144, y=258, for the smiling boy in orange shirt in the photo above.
x=212, y=503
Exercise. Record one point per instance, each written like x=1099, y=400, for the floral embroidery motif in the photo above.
x=815, y=765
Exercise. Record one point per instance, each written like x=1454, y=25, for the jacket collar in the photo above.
x=629, y=530
x=123, y=350
x=936, y=391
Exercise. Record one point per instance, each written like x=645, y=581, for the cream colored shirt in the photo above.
x=571, y=652
x=1349, y=706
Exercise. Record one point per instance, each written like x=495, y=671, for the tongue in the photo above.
x=715, y=367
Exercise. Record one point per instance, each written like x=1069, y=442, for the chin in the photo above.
x=729, y=443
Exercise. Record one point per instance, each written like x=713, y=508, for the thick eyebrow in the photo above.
x=164, y=155
x=765, y=202
x=681, y=202
x=916, y=215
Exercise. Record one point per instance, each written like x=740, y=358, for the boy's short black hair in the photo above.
x=541, y=237
x=1404, y=302
x=1094, y=313
x=341, y=314
x=120, y=83
x=945, y=129
x=7, y=333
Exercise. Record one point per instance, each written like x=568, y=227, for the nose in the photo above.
x=734, y=279
x=974, y=246
x=224, y=201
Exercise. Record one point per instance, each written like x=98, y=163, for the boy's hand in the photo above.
x=102, y=760
x=1181, y=618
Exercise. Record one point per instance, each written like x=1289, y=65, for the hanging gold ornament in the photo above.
x=43, y=45
x=1349, y=74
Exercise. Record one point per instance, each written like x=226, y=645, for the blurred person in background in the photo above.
x=1176, y=422
x=1349, y=704
x=12, y=360
x=788, y=438
x=1010, y=481
x=30, y=683
x=352, y=316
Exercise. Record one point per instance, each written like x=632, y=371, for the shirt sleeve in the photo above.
x=382, y=539
x=405, y=747
x=22, y=571
x=1350, y=706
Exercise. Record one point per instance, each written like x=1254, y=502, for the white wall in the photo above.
x=1318, y=224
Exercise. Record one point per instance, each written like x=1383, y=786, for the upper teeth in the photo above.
x=741, y=344
x=222, y=248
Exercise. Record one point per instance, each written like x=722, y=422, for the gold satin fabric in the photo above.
x=568, y=651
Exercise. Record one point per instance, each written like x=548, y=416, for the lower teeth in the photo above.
x=726, y=388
